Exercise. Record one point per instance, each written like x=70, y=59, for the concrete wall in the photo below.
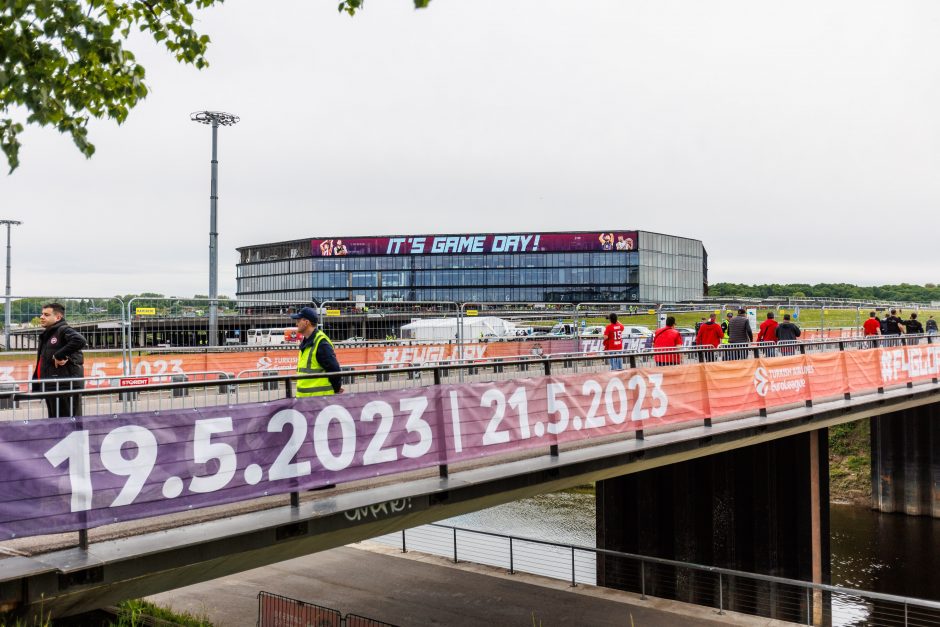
x=905, y=461
x=752, y=509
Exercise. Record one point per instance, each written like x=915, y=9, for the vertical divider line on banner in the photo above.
x=807, y=359
x=929, y=342
x=847, y=392
x=442, y=468
x=880, y=349
x=907, y=356
x=294, y=494
x=762, y=410
x=706, y=396
x=83, y=532
x=638, y=434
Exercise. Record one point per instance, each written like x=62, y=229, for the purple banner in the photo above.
x=64, y=475
x=60, y=475
x=475, y=244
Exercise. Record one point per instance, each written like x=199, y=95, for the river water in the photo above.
x=888, y=553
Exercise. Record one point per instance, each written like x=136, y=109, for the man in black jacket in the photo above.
x=787, y=333
x=59, y=357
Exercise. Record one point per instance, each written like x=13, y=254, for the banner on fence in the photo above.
x=58, y=476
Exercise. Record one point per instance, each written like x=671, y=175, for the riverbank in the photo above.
x=850, y=463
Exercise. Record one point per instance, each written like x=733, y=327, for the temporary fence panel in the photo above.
x=99, y=319
x=279, y=611
x=73, y=475
x=160, y=323
x=386, y=323
x=494, y=333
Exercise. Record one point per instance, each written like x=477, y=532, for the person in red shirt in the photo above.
x=613, y=341
x=768, y=333
x=667, y=339
x=872, y=327
x=710, y=334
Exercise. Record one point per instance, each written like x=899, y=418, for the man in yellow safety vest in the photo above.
x=316, y=357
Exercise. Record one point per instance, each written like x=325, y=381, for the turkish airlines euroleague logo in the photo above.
x=789, y=379
x=760, y=381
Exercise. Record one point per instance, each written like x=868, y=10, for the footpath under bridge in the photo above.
x=128, y=504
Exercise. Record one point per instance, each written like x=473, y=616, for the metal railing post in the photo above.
x=642, y=580
x=512, y=562
x=574, y=583
x=455, y=545
x=809, y=607
x=404, y=546
x=721, y=595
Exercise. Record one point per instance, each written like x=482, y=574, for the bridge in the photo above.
x=704, y=456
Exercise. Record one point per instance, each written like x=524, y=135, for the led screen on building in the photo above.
x=475, y=244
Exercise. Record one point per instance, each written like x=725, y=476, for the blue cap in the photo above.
x=307, y=313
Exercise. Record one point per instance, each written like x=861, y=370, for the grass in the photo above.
x=132, y=613
x=19, y=622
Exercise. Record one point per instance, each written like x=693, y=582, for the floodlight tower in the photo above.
x=6, y=307
x=214, y=119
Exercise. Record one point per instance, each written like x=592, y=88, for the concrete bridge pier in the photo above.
x=762, y=508
x=905, y=462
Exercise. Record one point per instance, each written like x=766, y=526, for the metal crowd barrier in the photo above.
x=275, y=610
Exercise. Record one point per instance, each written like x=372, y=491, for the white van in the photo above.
x=274, y=337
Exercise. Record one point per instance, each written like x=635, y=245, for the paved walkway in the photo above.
x=417, y=589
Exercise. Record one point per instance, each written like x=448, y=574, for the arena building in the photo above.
x=575, y=267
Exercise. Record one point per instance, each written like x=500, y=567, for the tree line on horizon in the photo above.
x=929, y=292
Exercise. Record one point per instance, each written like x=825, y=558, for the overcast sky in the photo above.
x=799, y=141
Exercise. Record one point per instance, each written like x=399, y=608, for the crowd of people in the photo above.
x=736, y=330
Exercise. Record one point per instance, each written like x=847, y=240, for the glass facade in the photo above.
x=670, y=269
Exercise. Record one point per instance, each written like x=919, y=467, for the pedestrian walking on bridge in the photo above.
x=739, y=332
x=787, y=332
x=710, y=334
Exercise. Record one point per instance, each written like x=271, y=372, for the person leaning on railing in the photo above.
x=316, y=357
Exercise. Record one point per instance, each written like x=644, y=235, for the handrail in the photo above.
x=880, y=596
x=464, y=364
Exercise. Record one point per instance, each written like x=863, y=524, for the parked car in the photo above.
x=634, y=331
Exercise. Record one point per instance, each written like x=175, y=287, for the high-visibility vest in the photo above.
x=726, y=338
x=307, y=364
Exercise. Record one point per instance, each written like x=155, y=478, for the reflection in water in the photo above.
x=563, y=517
x=890, y=553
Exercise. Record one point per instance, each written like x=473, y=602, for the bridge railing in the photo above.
x=723, y=589
x=84, y=472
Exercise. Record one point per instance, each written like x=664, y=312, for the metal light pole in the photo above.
x=6, y=307
x=215, y=119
